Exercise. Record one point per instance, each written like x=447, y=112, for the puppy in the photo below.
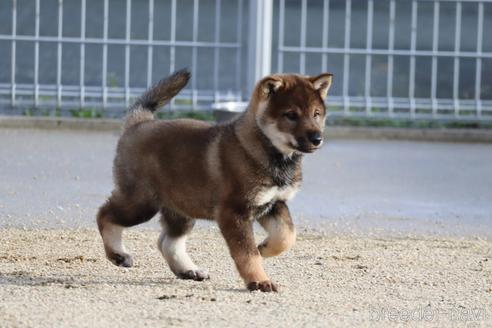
x=232, y=173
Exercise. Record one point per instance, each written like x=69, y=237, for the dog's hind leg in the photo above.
x=172, y=244
x=281, y=232
x=115, y=215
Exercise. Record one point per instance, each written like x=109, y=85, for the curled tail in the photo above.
x=157, y=96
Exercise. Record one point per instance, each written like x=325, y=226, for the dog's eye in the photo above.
x=291, y=116
x=316, y=114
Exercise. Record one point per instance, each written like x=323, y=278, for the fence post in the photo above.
x=259, y=41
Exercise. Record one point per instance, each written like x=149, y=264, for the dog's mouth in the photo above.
x=304, y=148
x=308, y=150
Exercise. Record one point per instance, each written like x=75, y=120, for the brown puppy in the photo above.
x=233, y=173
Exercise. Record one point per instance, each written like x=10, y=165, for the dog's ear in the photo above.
x=269, y=85
x=322, y=83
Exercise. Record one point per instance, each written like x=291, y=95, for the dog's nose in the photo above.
x=315, y=138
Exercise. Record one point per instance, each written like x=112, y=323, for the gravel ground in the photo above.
x=409, y=239
x=55, y=278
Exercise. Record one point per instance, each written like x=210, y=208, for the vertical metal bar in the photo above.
x=82, y=53
x=36, y=55
x=216, y=48
x=478, y=66
x=435, y=43
x=105, y=55
x=150, y=48
x=13, y=54
x=456, y=69
x=302, y=55
x=413, y=46
x=367, y=84
x=346, y=56
x=194, y=54
x=324, y=37
x=265, y=35
x=260, y=40
x=172, y=38
x=281, y=26
x=59, y=55
x=391, y=46
x=239, y=38
x=172, y=49
x=127, y=50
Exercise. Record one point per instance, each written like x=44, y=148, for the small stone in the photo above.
x=166, y=297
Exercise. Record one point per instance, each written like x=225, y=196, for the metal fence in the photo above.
x=391, y=58
x=427, y=73
x=101, y=54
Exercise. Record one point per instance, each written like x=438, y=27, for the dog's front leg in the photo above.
x=281, y=232
x=237, y=228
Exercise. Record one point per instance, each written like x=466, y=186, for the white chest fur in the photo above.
x=275, y=193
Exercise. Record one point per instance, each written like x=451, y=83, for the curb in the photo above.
x=60, y=123
x=331, y=132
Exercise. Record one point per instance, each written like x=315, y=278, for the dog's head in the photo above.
x=291, y=112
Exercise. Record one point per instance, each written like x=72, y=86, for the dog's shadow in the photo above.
x=24, y=278
x=29, y=279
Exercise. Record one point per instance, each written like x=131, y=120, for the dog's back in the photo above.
x=166, y=161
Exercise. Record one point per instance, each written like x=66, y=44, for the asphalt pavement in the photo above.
x=58, y=178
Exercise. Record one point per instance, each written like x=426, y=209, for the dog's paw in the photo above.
x=264, y=286
x=266, y=251
x=197, y=275
x=122, y=260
